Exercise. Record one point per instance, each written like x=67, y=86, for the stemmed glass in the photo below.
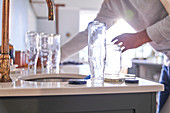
x=50, y=52
x=45, y=53
x=55, y=48
x=32, y=50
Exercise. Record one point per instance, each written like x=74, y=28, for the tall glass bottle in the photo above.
x=97, y=51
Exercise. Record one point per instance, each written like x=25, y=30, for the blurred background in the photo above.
x=71, y=17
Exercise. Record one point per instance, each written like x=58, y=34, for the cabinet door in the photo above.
x=112, y=111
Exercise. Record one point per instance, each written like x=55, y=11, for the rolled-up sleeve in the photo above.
x=160, y=31
x=106, y=15
x=109, y=13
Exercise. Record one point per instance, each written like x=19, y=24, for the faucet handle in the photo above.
x=5, y=68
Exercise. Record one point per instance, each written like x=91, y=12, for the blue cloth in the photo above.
x=164, y=79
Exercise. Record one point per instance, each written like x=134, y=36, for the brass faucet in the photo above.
x=5, y=58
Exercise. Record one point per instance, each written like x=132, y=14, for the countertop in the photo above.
x=147, y=62
x=30, y=88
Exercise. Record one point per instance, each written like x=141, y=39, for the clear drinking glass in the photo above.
x=55, y=48
x=113, y=60
x=97, y=51
x=32, y=50
x=45, y=52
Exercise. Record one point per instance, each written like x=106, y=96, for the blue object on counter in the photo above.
x=71, y=63
x=88, y=77
x=77, y=81
x=132, y=81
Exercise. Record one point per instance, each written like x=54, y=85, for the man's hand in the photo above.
x=132, y=40
x=166, y=4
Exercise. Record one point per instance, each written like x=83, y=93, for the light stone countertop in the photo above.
x=29, y=88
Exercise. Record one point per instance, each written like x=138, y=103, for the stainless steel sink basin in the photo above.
x=51, y=77
x=55, y=79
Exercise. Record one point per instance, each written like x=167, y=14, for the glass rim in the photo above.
x=55, y=35
x=31, y=33
x=96, y=23
x=50, y=35
x=44, y=34
x=116, y=46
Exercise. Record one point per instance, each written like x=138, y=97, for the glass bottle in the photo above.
x=113, y=60
x=97, y=51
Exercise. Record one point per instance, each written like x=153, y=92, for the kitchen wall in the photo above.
x=22, y=19
x=70, y=19
x=43, y=25
x=82, y=4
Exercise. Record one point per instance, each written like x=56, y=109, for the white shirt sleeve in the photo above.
x=160, y=31
x=107, y=15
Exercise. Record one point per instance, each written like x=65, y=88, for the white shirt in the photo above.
x=140, y=14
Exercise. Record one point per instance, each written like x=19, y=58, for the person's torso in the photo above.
x=140, y=13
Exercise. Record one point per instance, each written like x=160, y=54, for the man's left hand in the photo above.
x=132, y=40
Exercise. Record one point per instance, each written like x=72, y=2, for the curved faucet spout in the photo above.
x=5, y=58
x=50, y=10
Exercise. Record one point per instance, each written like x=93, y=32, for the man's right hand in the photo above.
x=132, y=40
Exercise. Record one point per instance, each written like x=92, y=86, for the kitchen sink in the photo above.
x=62, y=77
